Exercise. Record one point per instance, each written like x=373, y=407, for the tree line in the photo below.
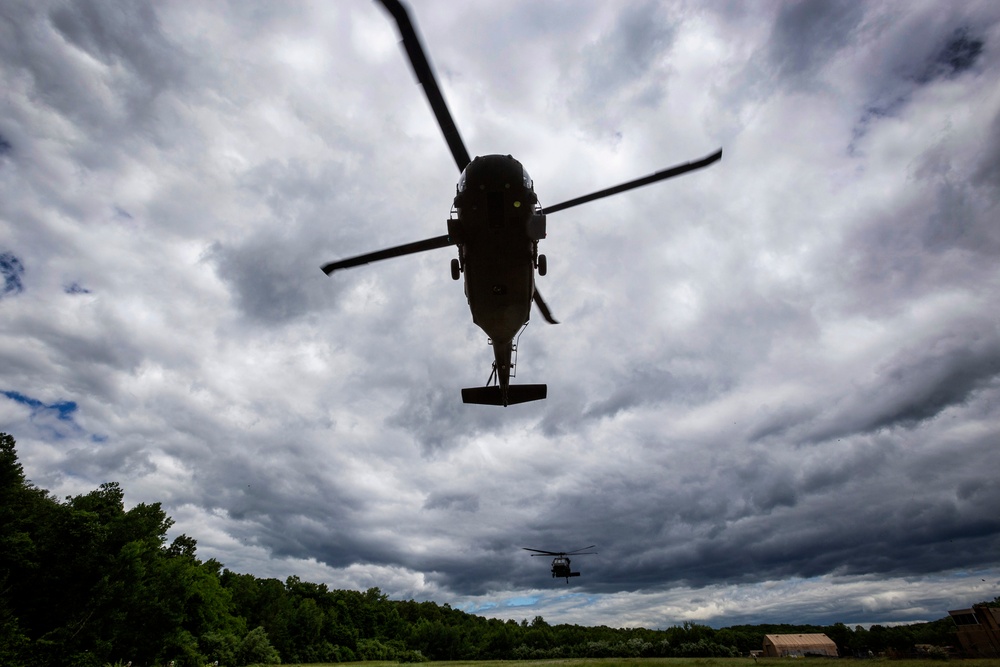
x=84, y=582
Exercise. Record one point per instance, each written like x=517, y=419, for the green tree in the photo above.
x=85, y=581
x=256, y=649
x=17, y=546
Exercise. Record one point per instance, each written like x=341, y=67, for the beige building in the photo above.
x=780, y=646
x=978, y=630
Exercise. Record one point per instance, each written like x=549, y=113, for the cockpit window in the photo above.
x=527, y=177
x=461, y=181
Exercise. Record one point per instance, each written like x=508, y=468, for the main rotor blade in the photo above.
x=578, y=552
x=388, y=253
x=425, y=75
x=543, y=308
x=544, y=553
x=646, y=180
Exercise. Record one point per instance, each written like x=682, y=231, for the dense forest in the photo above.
x=84, y=582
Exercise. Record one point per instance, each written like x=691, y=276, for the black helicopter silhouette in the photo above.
x=496, y=222
x=560, y=564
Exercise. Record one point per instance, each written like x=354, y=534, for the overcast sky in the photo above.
x=774, y=392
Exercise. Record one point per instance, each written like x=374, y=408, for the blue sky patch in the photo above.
x=50, y=418
x=522, y=601
x=474, y=608
x=63, y=409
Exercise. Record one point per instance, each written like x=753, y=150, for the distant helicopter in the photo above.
x=496, y=222
x=560, y=564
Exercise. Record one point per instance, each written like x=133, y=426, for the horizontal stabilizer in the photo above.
x=516, y=393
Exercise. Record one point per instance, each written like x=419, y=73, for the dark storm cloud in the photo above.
x=5, y=146
x=294, y=531
x=94, y=357
x=874, y=542
x=464, y=502
x=107, y=461
x=741, y=331
x=282, y=517
x=646, y=385
x=275, y=493
x=276, y=278
x=914, y=385
x=944, y=373
x=438, y=422
x=782, y=520
x=434, y=418
x=987, y=173
x=112, y=33
x=266, y=277
x=12, y=271
x=960, y=52
x=137, y=62
x=612, y=75
x=919, y=53
x=894, y=259
x=808, y=34
x=940, y=234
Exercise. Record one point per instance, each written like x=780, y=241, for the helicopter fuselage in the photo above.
x=494, y=205
x=561, y=568
x=497, y=228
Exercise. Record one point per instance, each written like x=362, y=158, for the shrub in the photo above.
x=256, y=648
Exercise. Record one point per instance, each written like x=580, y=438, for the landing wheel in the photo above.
x=456, y=269
x=542, y=265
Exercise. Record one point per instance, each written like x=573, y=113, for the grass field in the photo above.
x=674, y=662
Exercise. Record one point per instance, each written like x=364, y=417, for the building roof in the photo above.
x=793, y=641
